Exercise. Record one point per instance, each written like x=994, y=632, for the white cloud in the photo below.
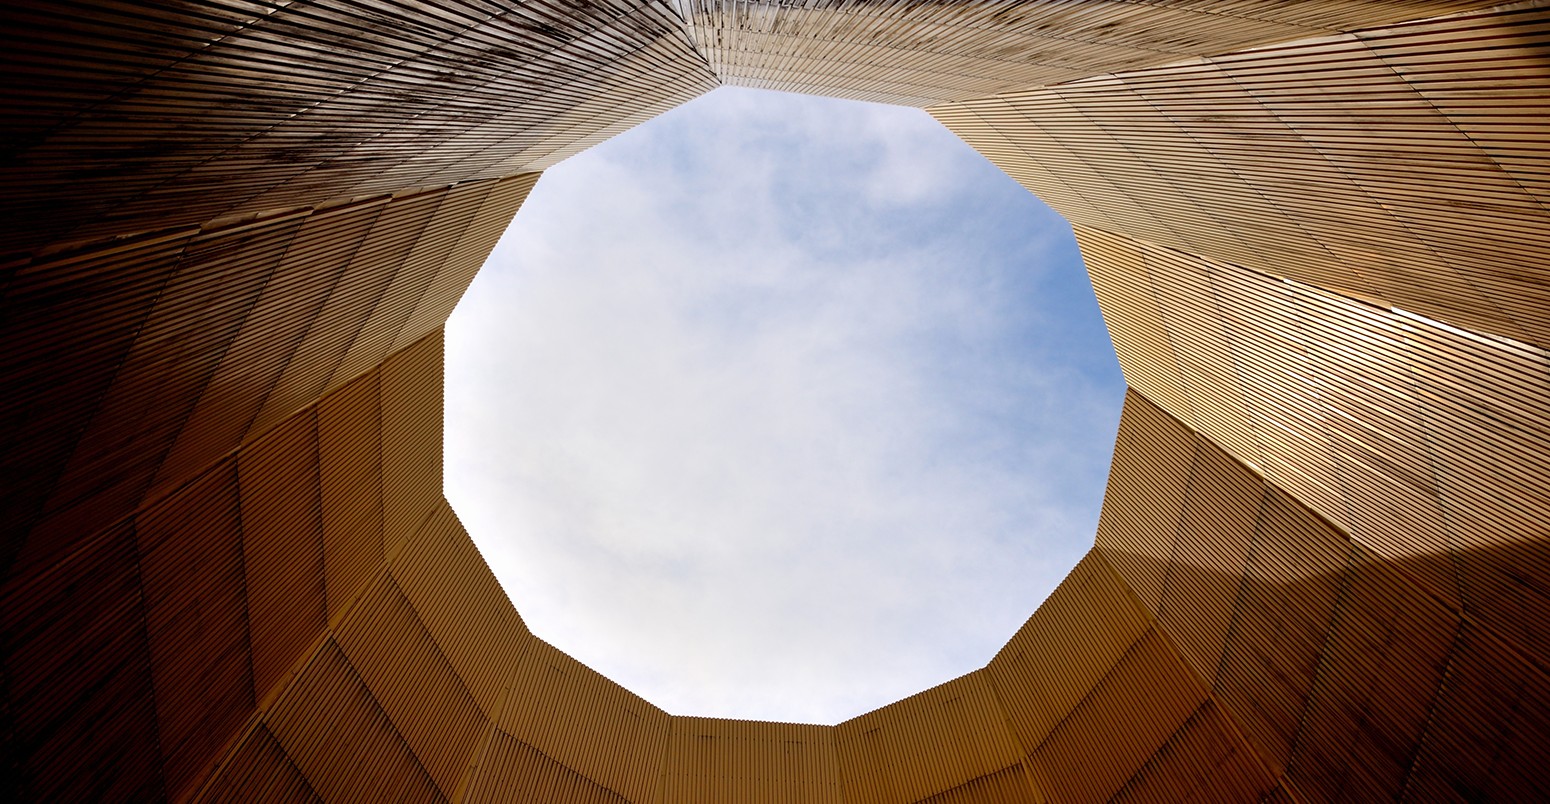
x=750, y=410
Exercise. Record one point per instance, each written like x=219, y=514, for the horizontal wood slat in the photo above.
x=1377, y=163
x=169, y=113
x=919, y=53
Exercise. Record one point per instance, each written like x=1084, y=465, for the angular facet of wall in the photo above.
x=1367, y=163
x=1345, y=674
x=170, y=629
x=135, y=362
x=166, y=112
x=926, y=52
x=1428, y=445
x=230, y=233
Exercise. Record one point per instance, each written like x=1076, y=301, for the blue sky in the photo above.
x=780, y=407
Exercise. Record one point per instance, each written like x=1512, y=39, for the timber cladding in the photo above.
x=231, y=231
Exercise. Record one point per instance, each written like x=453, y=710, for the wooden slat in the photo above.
x=197, y=623
x=261, y=771
x=711, y=760
x=81, y=712
x=561, y=707
x=350, y=482
x=336, y=733
x=1151, y=691
x=411, y=389
x=282, y=548
x=233, y=231
x=279, y=105
x=413, y=682
x=926, y=744
x=917, y=53
x=1056, y=658
x=1345, y=161
x=462, y=606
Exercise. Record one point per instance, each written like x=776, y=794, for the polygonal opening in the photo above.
x=780, y=407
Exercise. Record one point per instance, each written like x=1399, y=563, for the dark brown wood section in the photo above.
x=231, y=232
x=207, y=337
x=165, y=113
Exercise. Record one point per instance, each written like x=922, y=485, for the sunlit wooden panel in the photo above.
x=408, y=243
x=562, y=708
x=1061, y=653
x=926, y=744
x=411, y=392
x=465, y=254
x=1321, y=159
x=360, y=277
x=1381, y=421
x=462, y=606
x=1143, y=506
x=513, y=772
x=1009, y=786
x=712, y=759
x=1151, y=691
x=233, y=233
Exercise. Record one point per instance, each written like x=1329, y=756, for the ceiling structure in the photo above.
x=232, y=231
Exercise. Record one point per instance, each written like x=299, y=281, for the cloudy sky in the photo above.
x=780, y=407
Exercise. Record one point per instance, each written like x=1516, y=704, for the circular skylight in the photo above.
x=780, y=407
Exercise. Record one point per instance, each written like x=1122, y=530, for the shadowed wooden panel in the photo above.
x=329, y=724
x=278, y=105
x=282, y=543
x=413, y=682
x=197, y=622
x=1386, y=438
x=261, y=771
x=81, y=714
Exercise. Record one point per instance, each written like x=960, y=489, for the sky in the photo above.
x=779, y=407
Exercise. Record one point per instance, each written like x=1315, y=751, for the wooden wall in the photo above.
x=231, y=231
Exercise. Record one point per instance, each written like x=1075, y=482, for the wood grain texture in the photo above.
x=232, y=230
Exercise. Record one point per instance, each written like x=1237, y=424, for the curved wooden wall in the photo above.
x=231, y=230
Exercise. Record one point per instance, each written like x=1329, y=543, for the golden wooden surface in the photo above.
x=233, y=230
